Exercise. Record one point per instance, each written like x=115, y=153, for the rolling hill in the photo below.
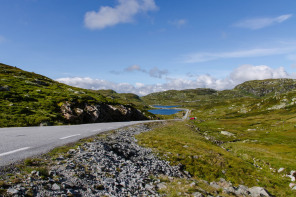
x=30, y=99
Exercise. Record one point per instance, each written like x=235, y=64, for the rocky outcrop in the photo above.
x=266, y=87
x=84, y=113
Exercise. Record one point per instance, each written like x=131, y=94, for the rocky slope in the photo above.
x=29, y=99
x=268, y=87
x=78, y=113
x=178, y=96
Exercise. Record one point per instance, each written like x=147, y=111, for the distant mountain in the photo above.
x=270, y=92
x=30, y=99
x=178, y=96
x=266, y=87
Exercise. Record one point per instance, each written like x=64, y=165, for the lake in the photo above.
x=164, y=110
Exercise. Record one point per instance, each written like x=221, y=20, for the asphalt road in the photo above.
x=18, y=143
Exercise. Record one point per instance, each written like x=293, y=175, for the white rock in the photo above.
x=12, y=191
x=55, y=187
x=292, y=177
x=258, y=192
x=292, y=185
x=161, y=186
x=227, y=133
x=215, y=185
x=281, y=170
x=197, y=194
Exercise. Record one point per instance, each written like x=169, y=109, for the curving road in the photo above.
x=18, y=143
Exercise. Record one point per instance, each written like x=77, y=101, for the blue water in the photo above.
x=164, y=111
x=165, y=106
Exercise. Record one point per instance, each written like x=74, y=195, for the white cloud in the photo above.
x=249, y=72
x=124, y=12
x=258, y=23
x=237, y=76
x=157, y=73
x=133, y=68
x=179, y=22
x=154, y=72
x=259, y=52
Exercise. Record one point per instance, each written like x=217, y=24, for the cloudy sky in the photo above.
x=144, y=46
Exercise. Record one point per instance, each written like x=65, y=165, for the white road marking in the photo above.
x=96, y=130
x=14, y=151
x=69, y=136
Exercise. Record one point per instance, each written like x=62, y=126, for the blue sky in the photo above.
x=144, y=46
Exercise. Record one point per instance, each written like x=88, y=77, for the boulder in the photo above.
x=258, y=192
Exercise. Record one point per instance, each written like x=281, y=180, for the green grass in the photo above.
x=29, y=99
x=181, y=144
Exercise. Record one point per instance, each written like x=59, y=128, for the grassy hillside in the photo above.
x=243, y=135
x=178, y=96
x=267, y=87
x=29, y=99
x=125, y=98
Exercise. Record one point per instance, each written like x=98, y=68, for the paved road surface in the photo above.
x=21, y=142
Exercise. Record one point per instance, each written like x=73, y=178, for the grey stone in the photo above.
x=197, y=194
x=242, y=190
x=13, y=191
x=258, y=192
x=192, y=184
x=227, y=133
x=229, y=190
x=55, y=187
x=215, y=185
x=109, y=180
x=161, y=186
